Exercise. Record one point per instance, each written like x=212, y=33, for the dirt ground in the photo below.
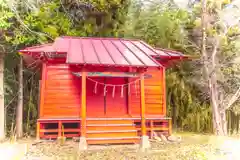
x=191, y=147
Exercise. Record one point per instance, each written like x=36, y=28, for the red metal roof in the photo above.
x=40, y=48
x=168, y=53
x=105, y=51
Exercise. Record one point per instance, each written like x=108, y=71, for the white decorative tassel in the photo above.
x=113, y=92
x=129, y=88
x=135, y=86
x=122, y=91
x=105, y=90
x=95, y=88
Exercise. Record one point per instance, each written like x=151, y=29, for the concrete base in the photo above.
x=144, y=144
x=83, y=143
x=38, y=138
x=61, y=140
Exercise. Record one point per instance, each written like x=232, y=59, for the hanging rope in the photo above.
x=117, y=85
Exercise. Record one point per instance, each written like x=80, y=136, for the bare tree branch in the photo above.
x=233, y=99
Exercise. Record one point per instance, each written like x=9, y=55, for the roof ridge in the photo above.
x=102, y=38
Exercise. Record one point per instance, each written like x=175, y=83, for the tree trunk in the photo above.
x=224, y=122
x=197, y=129
x=219, y=115
x=218, y=119
x=210, y=61
x=204, y=36
x=206, y=63
x=2, y=109
x=19, y=116
x=174, y=115
x=237, y=123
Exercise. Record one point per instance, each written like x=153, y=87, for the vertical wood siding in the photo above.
x=95, y=101
x=116, y=106
x=153, y=95
x=62, y=92
x=62, y=95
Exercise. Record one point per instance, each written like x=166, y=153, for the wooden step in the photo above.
x=111, y=131
x=56, y=136
x=114, y=138
x=154, y=129
x=109, y=122
x=108, y=128
x=56, y=130
x=122, y=140
x=106, y=125
x=112, y=135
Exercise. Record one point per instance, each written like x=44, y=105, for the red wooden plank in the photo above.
x=121, y=141
x=95, y=101
x=116, y=105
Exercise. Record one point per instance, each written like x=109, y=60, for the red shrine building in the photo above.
x=103, y=90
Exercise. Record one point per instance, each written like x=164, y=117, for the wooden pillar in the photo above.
x=43, y=85
x=59, y=128
x=164, y=92
x=143, y=109
x=38, y=131
x=170, y=127
x=83, y=107
x=129, y=101
x=41, y=103
x=144, y=139
x=152, y=128
x=83, y=142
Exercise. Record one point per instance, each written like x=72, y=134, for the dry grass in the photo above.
x=192, y=147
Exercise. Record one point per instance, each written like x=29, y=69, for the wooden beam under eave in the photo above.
x=83, y=106
x=143, y=107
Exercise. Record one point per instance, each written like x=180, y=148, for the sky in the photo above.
x=230, y=14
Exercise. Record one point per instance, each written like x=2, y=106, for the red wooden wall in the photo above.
x=61, y=95
x=153, y=95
